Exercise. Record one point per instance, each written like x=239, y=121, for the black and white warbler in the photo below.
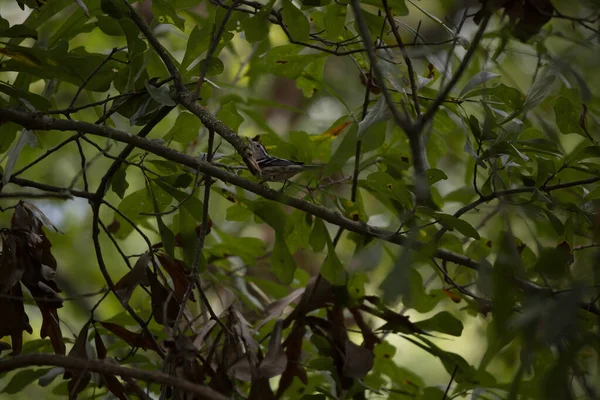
x=275, y=169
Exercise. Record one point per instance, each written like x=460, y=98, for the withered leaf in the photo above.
x=79, y=378
x=13, y=317
x=176, y=270
x=358, y=361
x=163, y=302
x=293, y=350
x=202, y=332
x=275, y=360
x=112, y=383
x=40, y=215
x=51, y=328
x=12, y=262
x=137, y=276
x=100, y=347
x=276, y=308
x=131, y=338
x=241, y=369
x=261, y=390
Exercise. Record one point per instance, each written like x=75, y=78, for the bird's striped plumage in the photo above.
x=276, y=169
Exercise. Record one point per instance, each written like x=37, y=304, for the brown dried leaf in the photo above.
x=51, y=327
x=261, y=390
x=12, y=263
x=293, y=350
x=100, y=347
x=131, y=338
x=241, y=369
x=202, y=332
x=78, y=350
x=176, y=270
x=358, y=361
x=40, y=215
x=115, y=386
x=137, y=276
x=162, y=301
x=276, y=308
x=13, y=317
x=275, y=360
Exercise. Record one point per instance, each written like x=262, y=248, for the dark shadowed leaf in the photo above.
x=443, y=322
x=275, y=360
x=137, y=276
x=358, y=361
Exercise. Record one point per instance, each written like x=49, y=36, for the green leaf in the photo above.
x=554, y=262
x=334, y=20
x=432, y=393
x=342, y=154
x=215, y=66
x=165, y=13
x=270, y=212
x=398, y=6
x=19, y=31
x=160, y=94
x=282, y=262
x=230, y=116
x=191, y=203
x=185, y=130
x=249, y=249
x=197, y=44
x=479, y=79
x=540, y=89
x=567, y=118
x=460, y=225
x=237, y=213
x=332, y=268
x=166, y=236
x=379, y=113
x=390, y=187
x=318, y=235
x=22, y=379
x=285, y=60
x=509, y=95
x=119, y=182
x=38, y=102
x=189, y=237
x=109, y=26
x=257, y=27
x=443, y=322
x=556, y=223
x=435, y=175
x=311, y=79
x=297, y=231
x=295, y=21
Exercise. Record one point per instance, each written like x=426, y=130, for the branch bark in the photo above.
x=28, y=360
x=41, y=122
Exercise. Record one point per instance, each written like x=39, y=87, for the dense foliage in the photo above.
x=451, y=200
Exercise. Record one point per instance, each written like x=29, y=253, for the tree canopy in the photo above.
x=420, y=220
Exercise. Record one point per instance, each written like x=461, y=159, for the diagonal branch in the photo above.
x=188, y=100
x=417, y=147
x=40, y=122
x=428, y=116
x=107, y=368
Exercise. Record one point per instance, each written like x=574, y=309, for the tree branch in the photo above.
x=413, y=132
x=41, y=122
x=188, y=100
x=103, y=367
x=428, y=116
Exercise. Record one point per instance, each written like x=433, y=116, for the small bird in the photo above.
x=275, y=169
